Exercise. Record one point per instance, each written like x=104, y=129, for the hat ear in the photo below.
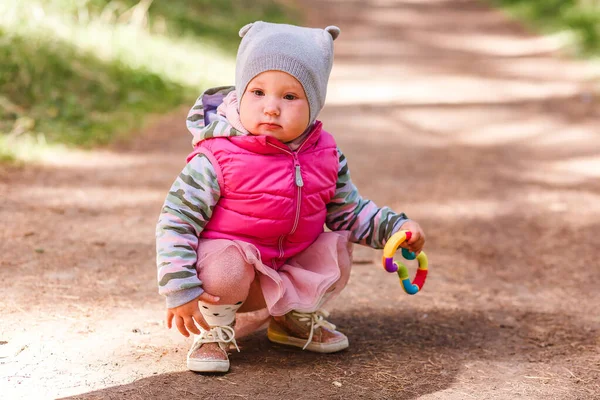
x=245, y=29
x=334, y=31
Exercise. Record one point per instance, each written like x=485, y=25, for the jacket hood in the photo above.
x=207, y=118
x=204, y=122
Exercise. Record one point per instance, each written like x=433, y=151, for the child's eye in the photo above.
x=258, y=92
x=290, y=97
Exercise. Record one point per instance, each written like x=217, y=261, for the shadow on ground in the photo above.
x=399, y=355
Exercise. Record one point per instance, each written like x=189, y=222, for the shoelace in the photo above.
x=314, y=320
x=216, y=334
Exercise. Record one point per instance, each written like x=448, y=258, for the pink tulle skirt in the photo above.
x=300, y=284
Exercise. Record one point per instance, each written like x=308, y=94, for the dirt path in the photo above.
x=446, y=111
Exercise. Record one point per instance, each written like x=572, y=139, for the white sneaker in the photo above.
x=209, y=351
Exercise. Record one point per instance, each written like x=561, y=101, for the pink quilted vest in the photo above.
x=271, y=196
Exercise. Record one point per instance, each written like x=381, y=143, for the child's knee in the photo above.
x=227, y=275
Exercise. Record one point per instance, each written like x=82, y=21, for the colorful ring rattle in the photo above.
x=391, y=266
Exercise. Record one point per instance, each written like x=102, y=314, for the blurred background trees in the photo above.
x=577, y=19
x=82, y=72
x=85, y=71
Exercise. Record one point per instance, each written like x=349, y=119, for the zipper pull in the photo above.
x=299, y=181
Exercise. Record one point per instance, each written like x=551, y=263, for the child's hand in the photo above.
x=186, y=313
x=417, y=241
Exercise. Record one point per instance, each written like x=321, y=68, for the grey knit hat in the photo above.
x=304, y=53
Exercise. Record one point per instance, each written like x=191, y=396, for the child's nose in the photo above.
x=271, y=108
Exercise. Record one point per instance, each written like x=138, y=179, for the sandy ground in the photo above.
x=477, y=129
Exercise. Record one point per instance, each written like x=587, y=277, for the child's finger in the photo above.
x=418, y=246
x=181, y=326
x=416, y=250
x=415, y=237
x=191, y=326
x=200, y=320
x=169, y=319
x=209, y=298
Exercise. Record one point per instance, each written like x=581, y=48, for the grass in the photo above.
x=580, y=19
x=82, y=72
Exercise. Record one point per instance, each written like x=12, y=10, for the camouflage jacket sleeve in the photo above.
x=185, y=213
x=368, y=224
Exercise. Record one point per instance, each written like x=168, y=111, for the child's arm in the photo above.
x=368, y=224
x=186, y=211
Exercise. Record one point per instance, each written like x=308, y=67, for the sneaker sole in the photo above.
x=279, y=338
x=208, y=366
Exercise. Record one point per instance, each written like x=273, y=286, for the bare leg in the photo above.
x=228, y=276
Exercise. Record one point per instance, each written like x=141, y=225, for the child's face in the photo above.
x=274, y=104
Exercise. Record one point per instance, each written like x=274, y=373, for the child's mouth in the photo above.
x=270, y=126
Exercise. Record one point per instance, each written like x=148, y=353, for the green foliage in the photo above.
x=72, y=96
x=579, y=17
x=83, y=71
x=214, y=20
x=218, y=21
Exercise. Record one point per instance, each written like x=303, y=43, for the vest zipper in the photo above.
x=299, y=184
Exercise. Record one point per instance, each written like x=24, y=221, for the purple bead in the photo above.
x=390, y=265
